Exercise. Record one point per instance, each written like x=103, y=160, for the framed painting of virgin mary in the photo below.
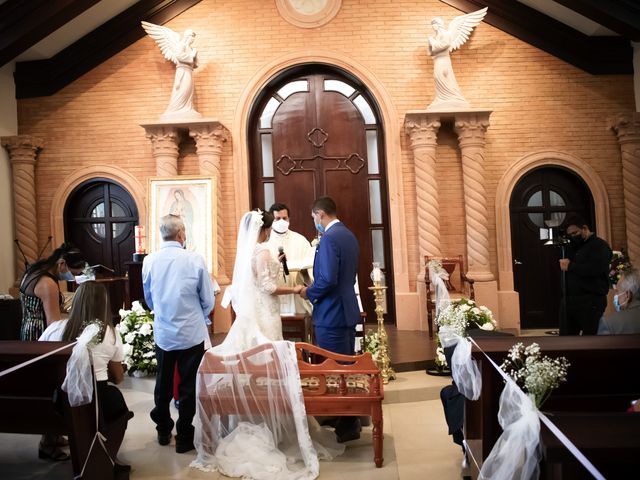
x=193, y=199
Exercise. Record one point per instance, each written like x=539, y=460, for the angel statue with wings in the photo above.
x=180, y=52
x=448, y=94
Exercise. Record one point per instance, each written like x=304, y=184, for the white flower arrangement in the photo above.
x=461, y=315
x=537, y=375
x=136, y=330
x=372, y=344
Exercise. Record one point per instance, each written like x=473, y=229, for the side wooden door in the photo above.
x=99, y=217
x=544, y=197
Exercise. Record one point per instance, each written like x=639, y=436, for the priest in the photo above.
x=298, y=256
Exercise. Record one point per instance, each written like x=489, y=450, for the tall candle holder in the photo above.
x=384, y=360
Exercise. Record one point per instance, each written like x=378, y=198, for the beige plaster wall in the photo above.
x=8, y=126
x=538, y=102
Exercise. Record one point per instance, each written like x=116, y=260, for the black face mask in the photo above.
x=576, y=240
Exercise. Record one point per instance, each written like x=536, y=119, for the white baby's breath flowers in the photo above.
x=537, y=375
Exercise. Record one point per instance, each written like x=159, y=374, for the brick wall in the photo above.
x=538, y=102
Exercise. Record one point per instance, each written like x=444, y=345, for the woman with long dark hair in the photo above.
x=91, y=305
x=40, y=292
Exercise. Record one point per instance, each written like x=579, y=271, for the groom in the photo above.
x=335, y=306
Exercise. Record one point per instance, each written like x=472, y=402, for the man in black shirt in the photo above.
x=587, y=277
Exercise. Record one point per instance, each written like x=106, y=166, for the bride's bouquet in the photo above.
x=136, y=330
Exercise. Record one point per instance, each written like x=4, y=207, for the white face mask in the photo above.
x=280, y=226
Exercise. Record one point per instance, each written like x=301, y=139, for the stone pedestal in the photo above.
x=210, y=136
x=627, y=128
x=23, y=151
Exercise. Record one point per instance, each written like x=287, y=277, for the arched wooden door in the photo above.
x=316, y=131
x=544, y=196
x=99, y=217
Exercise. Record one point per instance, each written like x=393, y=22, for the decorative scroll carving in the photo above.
x=287, y=164
x=23, y=150
x=471, y=130
x=423, y=131
x=627, y=128
x=317, y=137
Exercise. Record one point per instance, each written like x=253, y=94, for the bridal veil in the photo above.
x=250, y=419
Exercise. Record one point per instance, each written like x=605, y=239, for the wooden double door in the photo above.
x=316, y=131
x=544, y=197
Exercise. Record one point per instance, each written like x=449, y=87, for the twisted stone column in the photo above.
x=164, y=142
x=471, y=127
x=627, y=128
x=422, y=129
x=22, y=155
x=210, y=138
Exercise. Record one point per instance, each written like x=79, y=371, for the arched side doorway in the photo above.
x=507, y=296
x=542, y=198
x=99, y=217
x=315, y=130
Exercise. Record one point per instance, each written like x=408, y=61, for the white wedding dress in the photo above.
x=276, y=440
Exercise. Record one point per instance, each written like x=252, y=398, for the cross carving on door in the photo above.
x=318, y=137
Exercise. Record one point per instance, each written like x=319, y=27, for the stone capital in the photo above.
x=422, y=128
x=209, y=137
x=22, y=148
x=471, y=127
x=164, y=139
x=627, y=127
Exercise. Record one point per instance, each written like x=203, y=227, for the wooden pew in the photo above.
x=602, y=378
x=609, y=440
x=26, y=398
x=329, y=388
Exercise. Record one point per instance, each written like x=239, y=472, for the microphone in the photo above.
x=285, y=269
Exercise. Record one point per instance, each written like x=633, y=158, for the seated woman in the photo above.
x=91, y=305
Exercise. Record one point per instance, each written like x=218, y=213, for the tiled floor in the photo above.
x=416, y=444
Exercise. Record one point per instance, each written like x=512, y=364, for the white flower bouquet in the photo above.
x=537, y=375
x=372, y=343
x=460, y=316
x=463, y=314
x=136, y=330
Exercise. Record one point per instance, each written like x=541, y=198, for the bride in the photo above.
x=279, y=442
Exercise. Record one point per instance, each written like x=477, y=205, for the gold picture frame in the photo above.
x=194, y=199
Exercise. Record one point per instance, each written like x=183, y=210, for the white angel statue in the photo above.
x=448, y=94
x=179, y=51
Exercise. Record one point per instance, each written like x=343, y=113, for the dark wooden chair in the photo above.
x=458, y=285
x=28, y=394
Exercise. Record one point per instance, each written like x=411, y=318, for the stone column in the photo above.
x=23, y=150
x=209, y=138
x=627, y=128
x=422, y=129
x=165, y=140
x=471, y=128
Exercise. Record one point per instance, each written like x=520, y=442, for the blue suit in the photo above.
x=335, y=306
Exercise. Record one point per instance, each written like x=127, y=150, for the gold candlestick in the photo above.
x=384, y=360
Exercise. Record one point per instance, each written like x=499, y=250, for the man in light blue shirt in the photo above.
x=177, y=287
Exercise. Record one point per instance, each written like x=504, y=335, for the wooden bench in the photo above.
x=602, y=378
x=329, y=388
x=27, y=400
x=609, y=440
